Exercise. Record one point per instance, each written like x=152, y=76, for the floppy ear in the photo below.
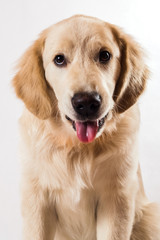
x=133, y=75
x=30, y=83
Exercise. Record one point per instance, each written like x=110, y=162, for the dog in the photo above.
x=81, y=179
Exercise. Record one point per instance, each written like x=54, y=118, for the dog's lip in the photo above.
x=100, y=122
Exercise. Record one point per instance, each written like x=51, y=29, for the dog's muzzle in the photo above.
x=87, y=108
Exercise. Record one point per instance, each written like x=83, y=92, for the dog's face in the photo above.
x=81, y=70
x=82, y=63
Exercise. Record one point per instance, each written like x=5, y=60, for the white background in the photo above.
x=20, y=23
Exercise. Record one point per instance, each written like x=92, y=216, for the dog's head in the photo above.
x=80, y=71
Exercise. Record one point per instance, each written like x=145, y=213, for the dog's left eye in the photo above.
x=60, y=60
x=104, y=56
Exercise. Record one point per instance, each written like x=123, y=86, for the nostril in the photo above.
x=80, y=107
x=94, y=106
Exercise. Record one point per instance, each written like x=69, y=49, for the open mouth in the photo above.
x=87, y=130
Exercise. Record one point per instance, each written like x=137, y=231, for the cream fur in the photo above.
x=71, y=190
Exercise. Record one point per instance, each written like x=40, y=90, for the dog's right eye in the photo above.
x=104, y=57
x=60, y=60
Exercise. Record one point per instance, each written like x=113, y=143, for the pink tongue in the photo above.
x=86, y=131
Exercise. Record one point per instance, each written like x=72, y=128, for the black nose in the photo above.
x=86, y=104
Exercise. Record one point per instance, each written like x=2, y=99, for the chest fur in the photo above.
x=76, y=211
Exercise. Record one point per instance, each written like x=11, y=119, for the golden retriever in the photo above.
x=81, y=179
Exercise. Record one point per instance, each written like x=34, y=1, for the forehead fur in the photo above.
x=82, y=32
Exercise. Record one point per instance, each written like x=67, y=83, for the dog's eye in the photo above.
x=60, y=60
x=104, y=56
